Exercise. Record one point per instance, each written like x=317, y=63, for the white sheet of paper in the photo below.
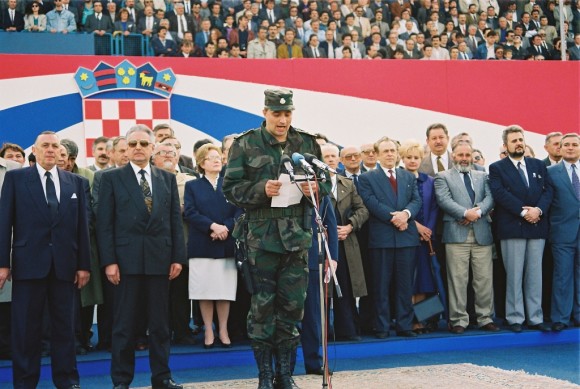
x=289, y=193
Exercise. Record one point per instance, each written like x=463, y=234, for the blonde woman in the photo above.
x=212, y=269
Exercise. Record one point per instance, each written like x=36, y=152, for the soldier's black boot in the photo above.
x=263, y=356
x=285, y=361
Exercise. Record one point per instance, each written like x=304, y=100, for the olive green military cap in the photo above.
x=279, y=99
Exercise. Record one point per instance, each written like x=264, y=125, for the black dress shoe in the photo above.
x=319, y=371
x=208, y=346
x=167, y=384
x=540, y=327
x=121, y=386
x=457, y=330
x=226, y=345
x=80, y=350
x=558, y=326
x=490, y=327
x=407, y=334
x=517, y=328
x=349, y=338
x=382, y=335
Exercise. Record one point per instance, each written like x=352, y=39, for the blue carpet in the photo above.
x=552, y=354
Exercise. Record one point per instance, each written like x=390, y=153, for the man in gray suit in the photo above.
x=464, y=196
x=439, y=159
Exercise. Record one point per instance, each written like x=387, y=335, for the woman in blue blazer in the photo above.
x=212, y=269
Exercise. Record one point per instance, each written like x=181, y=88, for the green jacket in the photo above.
x=254, y=159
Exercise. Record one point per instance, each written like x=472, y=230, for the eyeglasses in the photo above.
x=164, y=153
x=34, y=5
x=351, y=156
x=368, y=152
x=477, y=158
x=143, y=142
x=213, y=158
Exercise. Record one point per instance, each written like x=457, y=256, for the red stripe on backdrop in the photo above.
x=540, y=96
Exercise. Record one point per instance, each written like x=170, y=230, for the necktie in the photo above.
x=467, y=182
x=51, y=198
x=522, y=175
x=355, y=180
x=315, y=50
x=440, y=167
x=182, y=25
x=575, y=182
x=12, y=16
x=393, y=181
x=146, y=191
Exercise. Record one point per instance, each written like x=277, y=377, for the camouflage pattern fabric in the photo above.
x=278, y=239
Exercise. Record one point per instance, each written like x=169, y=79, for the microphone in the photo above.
x=300, y=161
x=318, y=163
x=286, y=162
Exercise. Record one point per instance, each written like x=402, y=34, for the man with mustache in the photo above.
x=101, y=154
x=522, y=197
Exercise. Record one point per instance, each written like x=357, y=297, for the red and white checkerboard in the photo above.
x=112, y=118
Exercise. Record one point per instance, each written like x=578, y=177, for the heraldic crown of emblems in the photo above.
x=106, y=78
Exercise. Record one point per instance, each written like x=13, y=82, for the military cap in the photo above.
x=279, y=100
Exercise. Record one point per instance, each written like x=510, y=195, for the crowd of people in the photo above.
x=363, y=29
x=160, y=229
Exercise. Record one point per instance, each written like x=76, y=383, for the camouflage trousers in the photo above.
x=278, y=303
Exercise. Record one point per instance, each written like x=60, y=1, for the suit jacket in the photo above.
x=307, y=52
x=282, y=51
x=351, y=210
x=142, y=25
x=169, y=49
x=130, y=26
x=139, y=242
x=204, y=206
x=453, y=200
x=380, y=200
x=92, y=23
x=574, y=53
x=324, y=46
x=510, y=195
x=61, y=244
x=543, y=51
x=427, y=166
x=565, y=208
x=174, y=25
x=7, y=23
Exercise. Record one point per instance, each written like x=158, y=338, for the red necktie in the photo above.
x=393, y=181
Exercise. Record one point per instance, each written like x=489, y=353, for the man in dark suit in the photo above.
x=141, y=246
x=49, y=261
x=11, y=19
x=329, y=45
x=536, y=48
x=313, y=49
x=98, y=23
x=552, y=147
x=392, y=198
x=565, y=234
x=522, y=198
x=465, y=198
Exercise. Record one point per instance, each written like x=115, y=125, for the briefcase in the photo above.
x=428, y=308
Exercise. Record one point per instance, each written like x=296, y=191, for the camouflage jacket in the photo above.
x=254, y=159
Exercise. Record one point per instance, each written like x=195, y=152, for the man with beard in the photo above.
x=464, y=195
x=522, y=198
x=100, y=154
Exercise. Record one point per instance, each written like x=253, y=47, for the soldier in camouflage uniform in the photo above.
x=278, y=239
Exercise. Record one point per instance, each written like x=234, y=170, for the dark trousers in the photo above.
x=345, y=313
x=154, y=291
x=28, y=300
x=5, y=350
x=394, y=265
x=311, y=337
x=180, y=305
x=366, y=305
x=105, y=313
x=238, y=319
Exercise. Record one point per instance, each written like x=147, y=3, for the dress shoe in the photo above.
x=540, y=327
x=208, y=346
x=226, y=345
x=167, y=384
x=186, y=340
x=517, y=328
x=319, y=371
x=407, y=334
x=121, y=386
x=490, y=327
x=558, y=326
x=73, y=387
x=457, y=330
x=382, y=335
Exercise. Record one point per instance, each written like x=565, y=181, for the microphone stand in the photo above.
x=322, y=241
